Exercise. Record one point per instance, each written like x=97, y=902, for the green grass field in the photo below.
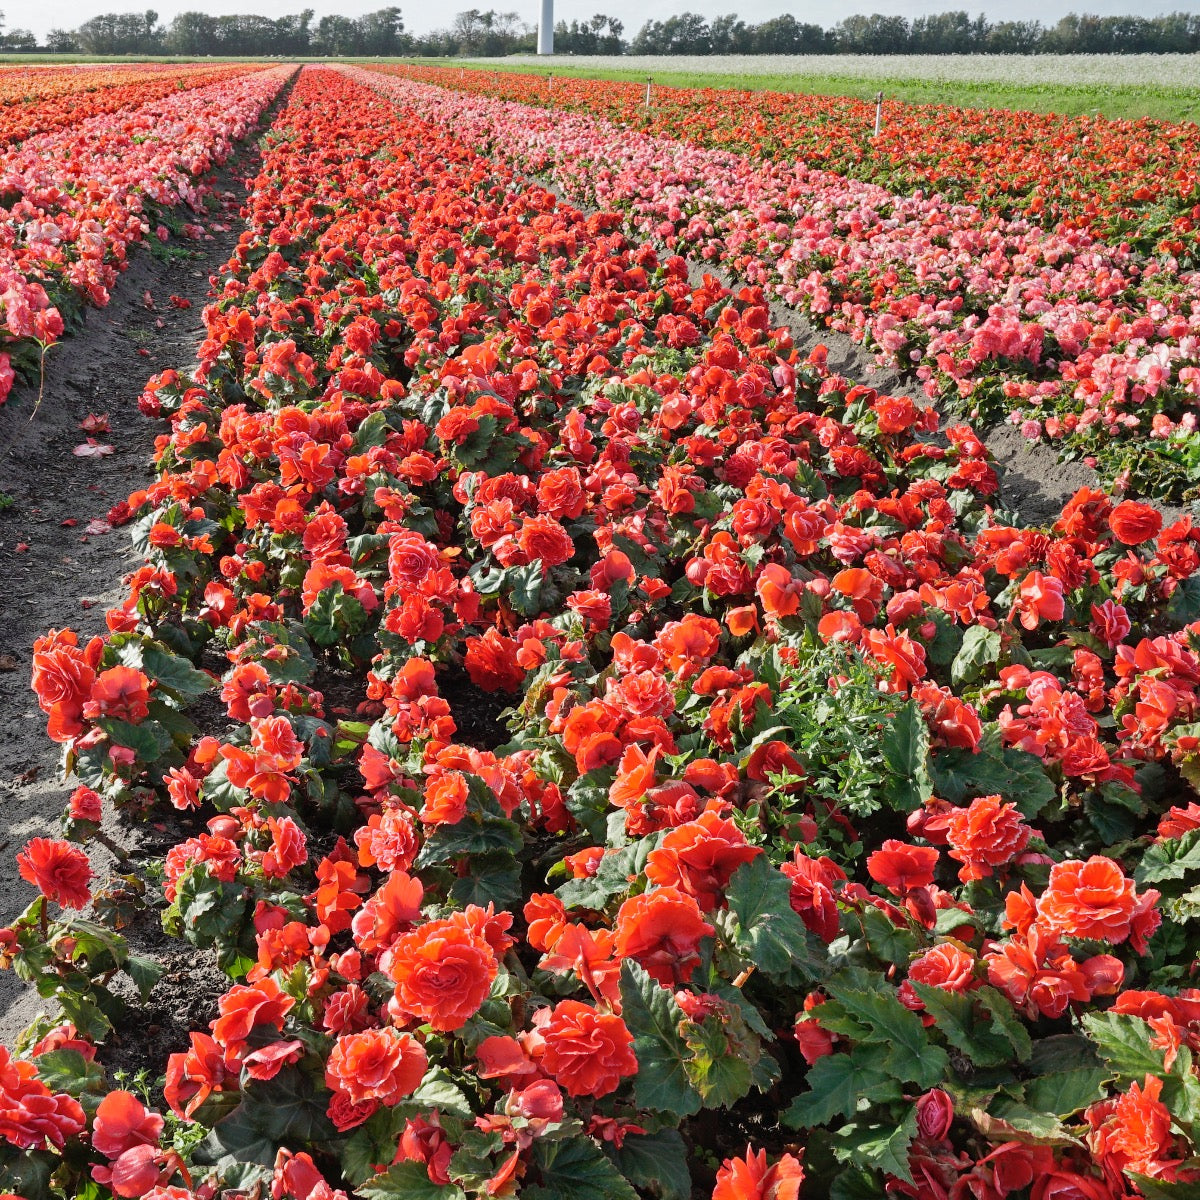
x=1116, y=101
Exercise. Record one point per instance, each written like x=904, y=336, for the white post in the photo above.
x=649, y=80
x=878, y=113
x=546, y=28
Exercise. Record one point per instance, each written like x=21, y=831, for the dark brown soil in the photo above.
x=67, y=578
x=184, y=999
x=477, y=714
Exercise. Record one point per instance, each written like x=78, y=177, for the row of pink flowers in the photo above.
x=1052, y=324
x=34, y=100
x=76, y=198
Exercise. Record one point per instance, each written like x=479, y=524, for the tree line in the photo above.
x=940, y=33
x=196, y=34
x=490, y=33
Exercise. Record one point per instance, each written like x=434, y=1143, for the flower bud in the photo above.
x=935, y=1115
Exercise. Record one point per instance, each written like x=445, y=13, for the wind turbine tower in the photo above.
x=546, y=28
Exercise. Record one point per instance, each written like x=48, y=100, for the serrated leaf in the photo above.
x=874, y=1014
x=528, y=588
x=882, y=1147
x=1066, y=1092
x=148, y=741
x=960, y=776
x=1170, y=859
x=1006, y=1021
x=654, y=1162
x=959, y=1021
x=1042, y=1126
x=438, y=1090
x=1124, y=1042
x=1181, y=909
x=68, y=1071
x=484, y=829
x=29, y=1174
x=575, y=1169
x=1184, y=607
x=84, y=1013
x=334, y=616
x=493, y=879
x=617, y=868
x=720, y=1064
x=906, y=751
x=1159, y=1189
x=888, y=941
x=856, y=1184
x=478, y=836
x=144, y=972
x=174, y=673
x=291, y=1107
x=765, y=928
x=1062, y=1052
x=209, y=908
x=236, y=1139
x=836, y=1082
x=653, y=1017
x=408, y=1181
x=372, y=431
x=368, y=1146
x=980, y=647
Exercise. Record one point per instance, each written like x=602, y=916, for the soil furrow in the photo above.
x=55, y=574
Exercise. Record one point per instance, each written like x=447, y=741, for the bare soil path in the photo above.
x=55, y=574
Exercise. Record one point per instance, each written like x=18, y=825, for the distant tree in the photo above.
x=61, y=41
x=1014, y=37
x=729, y=34
x=1178, y=33
x=20, y=40
x=192, y=33
x=875, y=34
x=786, y=35
x=686, y=33
x=946, y=33
x=292, y=33
x=486, y=33
x=383, y=32
x=600, y=35
x=121, y=33
x=489, y=34
x=337, y=36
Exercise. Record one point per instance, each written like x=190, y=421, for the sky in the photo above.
x=40, y=16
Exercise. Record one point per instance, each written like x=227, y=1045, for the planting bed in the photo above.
x=35, y=100
x=1091, y=346
x=577, y=744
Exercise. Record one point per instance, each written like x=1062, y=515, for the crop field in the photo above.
x=660, y=654
x=1054, y=70
x=1163, y=86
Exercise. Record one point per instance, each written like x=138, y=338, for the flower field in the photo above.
x=1092, y=346
x=81, y=193
x=1120, y=70
x=611, y=753
x=34, y=100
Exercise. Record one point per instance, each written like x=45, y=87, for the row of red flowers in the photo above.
x=1078, y=342
x=837, y=815
x=1135, y=181
x=34, y=100
x=80, y=196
